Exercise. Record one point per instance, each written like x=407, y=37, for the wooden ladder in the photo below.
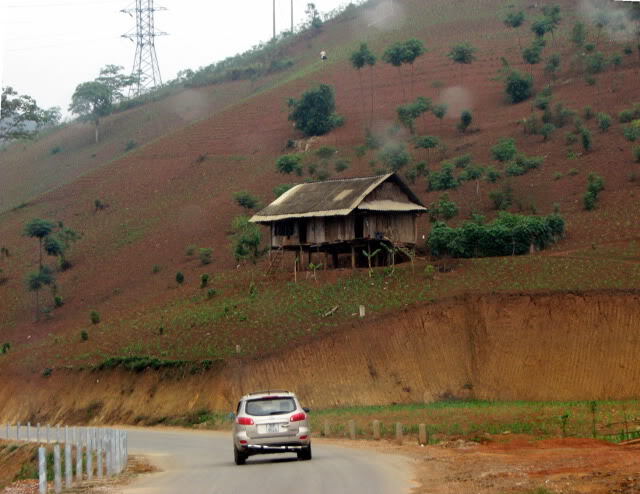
x=276, y=261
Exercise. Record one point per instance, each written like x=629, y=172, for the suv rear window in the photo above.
x=270, y=406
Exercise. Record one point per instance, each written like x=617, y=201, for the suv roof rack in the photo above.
x=269, y=391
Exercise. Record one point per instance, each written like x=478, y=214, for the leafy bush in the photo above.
x=509, y=234
x=492, y=175
x=570, y=138
x=462, y=161
x=604, y=121
x=290, y=163
x=443, y=209
x=503, y=198
x=56, y=150
x=94, y=317
x=443, y=179
x=84, y=335
x=626, y=116
x=471, y=173
x=519, y=87
x=588, y=113
x=156, y=268
x=395, y=156
x=205, y=254
x=179, y=278
x=522, y=164
x=595, y=63
x=58, y=301
x=636, y=154
x=5, y=348
x=204, y=280
x=341, y=165
x=246, y=240
x=314, y=113
x=326, y=152
x=466, y=117
x=211, y=292
x=632, y=132
x=586, y=139
x=595, y=185
x=547, y=130
x=131, y=144
x=505, y=150
x=246, y=200
x=190, y=250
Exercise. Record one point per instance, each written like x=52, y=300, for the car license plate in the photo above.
x=269, y=428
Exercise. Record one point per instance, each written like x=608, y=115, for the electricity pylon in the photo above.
x=145, y=63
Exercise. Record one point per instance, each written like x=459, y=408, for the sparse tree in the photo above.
x=579, y=34
x=427, y=143
x=514, y=20
x=246, y=200
x=314, y=113
x=553, y=65
x=40, y=229
x=463, y=54
x=395, y=55
x=21, y=117
x=533, y=54
x=439, y=111
x=359, y=59
x=246, y=240
x=466, y=117
x=37, y=280
x=414, y=48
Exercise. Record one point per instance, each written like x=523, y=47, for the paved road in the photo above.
x=202, y=463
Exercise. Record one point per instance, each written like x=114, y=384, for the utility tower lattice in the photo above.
x=145, y=64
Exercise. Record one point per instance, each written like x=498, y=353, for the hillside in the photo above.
x=198, y=147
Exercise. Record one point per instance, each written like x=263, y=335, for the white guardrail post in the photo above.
x=57, y=469
x=42, y=470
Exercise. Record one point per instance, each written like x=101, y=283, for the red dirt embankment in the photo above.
x=500, y=347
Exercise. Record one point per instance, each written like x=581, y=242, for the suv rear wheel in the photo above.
x=239, y=457
x=305, y=453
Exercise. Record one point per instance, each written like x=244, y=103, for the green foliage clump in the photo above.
x=314, y=113
x=246, y=240
x=519, y=87
x=84, y=335
x=289, y=163
x=190, y=250
x=462, y=161
x=472, y=173
x=56, y=149
x=586, y=139
x=443, y=179
x=131, y=144
x=439, y=111
x=547, y=130
x=514, y=19
x=466, y=117
x=553, y=65
x=394, y=156
x=206, y=255
x=4, y=349
x=522, y=164
x=463, y=53
x=595, y=63
x=444, y=209
x=278, y=190
x=326, y=152
x=632, y=131
x=58, y=301
x=179, y=278
x=509, y=234
x=94, y=317
x=604, y=121
x=246, y=200
x=595, y=185
x=204, y=280
x=636, y=154
x=588, y=113
x=341, y=165
x=502, y=199
x=492, y=175
x=505, y=150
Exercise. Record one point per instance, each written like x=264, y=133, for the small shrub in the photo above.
x=372, y=141
x=604, y=121
x=443, y=179
x=94, y=317
x=503, y=198
x=595, y=184
x=341, y=165
x=246, y=200
x=557, y=175
x=47, y=372
x=314, y=113
x=466, y=117
x=636, y=154
x=542, y=102
x=205, y=254
x=211, y=292
x=190, y=250
x=590, y=80
x=562, y=115
x=626, y=116
x=204, y=280
x=99, y=205
x=179, y=278
x=492, y=175
x=586, y=139
x=444, y=209
x=531, y=125
x=573, y=172
x=632, y=132
x=570, y=138
x=290, y=163
x=519, y=87
x=58, y=301
x=5, y=348
x=156, y=268
x=56, y=150
x=462, y=161
x=84, y=335
x=131, y=144
x=395, y=156
x=628, y=50
x=326, y=152
x=505, y=150
x=588, y=113
x=595, y=63
x=547, y=130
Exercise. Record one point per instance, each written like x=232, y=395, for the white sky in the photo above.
x=50, y=46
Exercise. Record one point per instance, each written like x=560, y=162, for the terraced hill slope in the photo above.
x=176, y=191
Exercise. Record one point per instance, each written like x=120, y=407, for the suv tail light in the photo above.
x=245, y=421
x=297, y=417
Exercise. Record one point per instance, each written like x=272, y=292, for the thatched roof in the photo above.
x=336, y=198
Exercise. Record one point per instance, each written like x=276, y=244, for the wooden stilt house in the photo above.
x=336, y=218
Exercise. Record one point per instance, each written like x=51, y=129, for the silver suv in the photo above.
x=271, y=422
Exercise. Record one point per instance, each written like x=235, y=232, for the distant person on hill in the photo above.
x=323, y=55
